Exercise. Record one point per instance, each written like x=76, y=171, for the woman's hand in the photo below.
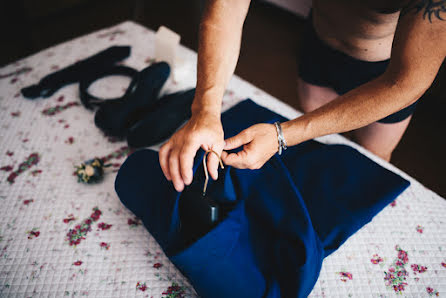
x=259, y=145
x=177, y=155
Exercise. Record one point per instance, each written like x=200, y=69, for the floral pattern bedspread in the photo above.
x=60, y=238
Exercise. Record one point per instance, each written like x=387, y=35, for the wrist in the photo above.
x=294, y=132
x=206, y=105
x=281, y=142
x=206, y=112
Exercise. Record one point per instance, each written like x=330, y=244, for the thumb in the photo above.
x=236, y=141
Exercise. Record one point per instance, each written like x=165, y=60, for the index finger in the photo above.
x=163, y=156
x=187, y=156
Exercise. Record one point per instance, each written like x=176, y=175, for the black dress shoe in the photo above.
x=164, y=118
x=115, y=118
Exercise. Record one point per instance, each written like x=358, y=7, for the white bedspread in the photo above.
x=404, y=245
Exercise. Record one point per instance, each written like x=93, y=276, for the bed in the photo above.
x=401, y=252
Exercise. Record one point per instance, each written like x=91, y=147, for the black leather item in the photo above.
x=90, y=101
x=164, y=118
x=116, y=117
x=199, y=213
x=75, y=72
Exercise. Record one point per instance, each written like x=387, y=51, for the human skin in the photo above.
x=417, y=52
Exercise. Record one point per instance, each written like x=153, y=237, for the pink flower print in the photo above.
x=393, y=204
x=15, y=114
x=443, y=264
x=111, y=34
x=77, y=263
x=9, y=153
x=33, y=159
x=69, y=218
x=346, y=276
x=74, y=236
x=402, y=255
x=97, y=213
x=34, y=233
x=11, y=177
x=13, y=80
x=69, y=141
x=6, y=168
x=396, y=276
x=133, y=222
x=141, y=286
x=174, y=291
x=157, y=265
x=149, y=60
x=66, y=126
x=36, y=172
x=54, y=67
x=60, y=98
x=432, y=292
x=418, y=269
x=58, y=108
x=27, y=202
x=419, y=229
x=103, y=226
x=376, y=259
x=104, y=245
x=121, y=152
x=25, y=140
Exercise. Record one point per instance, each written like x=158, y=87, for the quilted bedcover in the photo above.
x=60, y=238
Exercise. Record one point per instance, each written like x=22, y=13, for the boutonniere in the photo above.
x=91, y=171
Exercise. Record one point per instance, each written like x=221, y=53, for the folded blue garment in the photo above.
x=290, y=214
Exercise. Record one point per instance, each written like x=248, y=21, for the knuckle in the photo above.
x=252, y=167
x=193, y=137
x=183, y=155
x=249, y=159
x=163, y=150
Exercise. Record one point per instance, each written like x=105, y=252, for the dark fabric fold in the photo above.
x=290, y=214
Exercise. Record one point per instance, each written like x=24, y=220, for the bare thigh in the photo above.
x=311, y=97
x=381, y=138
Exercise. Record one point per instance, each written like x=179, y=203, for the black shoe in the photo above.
x=163, y=120
x=115, y=118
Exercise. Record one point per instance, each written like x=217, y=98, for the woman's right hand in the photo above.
x=176, y=156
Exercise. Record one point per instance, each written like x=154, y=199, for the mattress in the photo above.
x=59, y=237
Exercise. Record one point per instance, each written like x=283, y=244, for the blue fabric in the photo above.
x=290, y=214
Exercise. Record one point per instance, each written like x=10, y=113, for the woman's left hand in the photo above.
x=259, y=145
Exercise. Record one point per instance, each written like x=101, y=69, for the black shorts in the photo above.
x=321, y=65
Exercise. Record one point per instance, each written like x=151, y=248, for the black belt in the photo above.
x=75, y=72
x=91, y=101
